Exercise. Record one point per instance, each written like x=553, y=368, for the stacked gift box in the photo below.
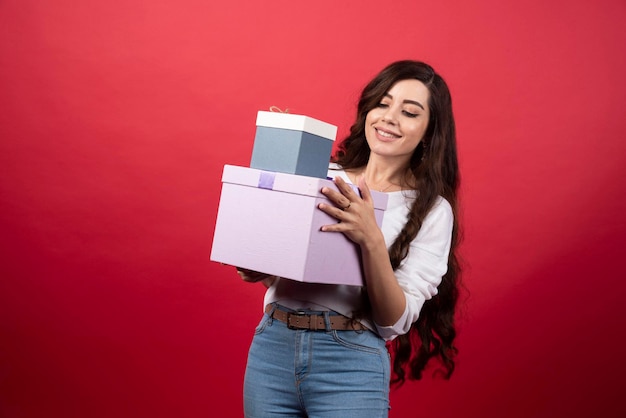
x=268, y=218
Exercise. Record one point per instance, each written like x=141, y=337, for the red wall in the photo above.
x=117, y=117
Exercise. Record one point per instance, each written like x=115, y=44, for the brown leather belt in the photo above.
x=300, y=320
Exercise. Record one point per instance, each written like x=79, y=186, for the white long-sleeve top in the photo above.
x=419, y=273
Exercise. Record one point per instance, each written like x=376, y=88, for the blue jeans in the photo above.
x=302, y=373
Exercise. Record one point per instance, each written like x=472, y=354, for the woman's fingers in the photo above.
x=251, y=275
x=353, y=209
x=344, y=196
x=366, y=194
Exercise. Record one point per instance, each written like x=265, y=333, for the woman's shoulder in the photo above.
x=334, y=166
x=441, y=203
x=335, y=170
x=440, y=212
x=441, y=208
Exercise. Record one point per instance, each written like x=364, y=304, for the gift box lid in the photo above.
x=288, y=183
x=296, y=123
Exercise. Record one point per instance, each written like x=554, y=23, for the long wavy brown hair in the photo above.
x=434, y=166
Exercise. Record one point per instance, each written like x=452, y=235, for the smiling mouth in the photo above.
x=385, y=134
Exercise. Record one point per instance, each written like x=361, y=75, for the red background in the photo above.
x=117, y=117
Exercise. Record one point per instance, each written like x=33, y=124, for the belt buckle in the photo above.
x=297, y=316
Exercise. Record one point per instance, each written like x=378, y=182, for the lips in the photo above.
x=385, y=135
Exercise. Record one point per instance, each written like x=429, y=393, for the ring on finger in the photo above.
x=347, y=207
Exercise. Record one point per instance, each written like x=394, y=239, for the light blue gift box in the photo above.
x=292, y=144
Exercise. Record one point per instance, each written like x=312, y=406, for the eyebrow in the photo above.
x=407, y=101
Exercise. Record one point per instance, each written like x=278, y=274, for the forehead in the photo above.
x=411, y=89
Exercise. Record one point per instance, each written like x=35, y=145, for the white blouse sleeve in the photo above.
x=421, y=271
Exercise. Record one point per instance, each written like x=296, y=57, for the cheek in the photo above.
x=370, y=117
x=369, y=120
x=417, y=132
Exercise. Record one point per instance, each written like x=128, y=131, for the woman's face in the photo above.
x=397, y=125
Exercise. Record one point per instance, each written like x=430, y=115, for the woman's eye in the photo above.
x=409, y=114
x=383, y=105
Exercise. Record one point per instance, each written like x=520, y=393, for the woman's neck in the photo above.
x=382, y=176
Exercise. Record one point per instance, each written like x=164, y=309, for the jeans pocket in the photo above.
x=364, y=341
x=263, y=324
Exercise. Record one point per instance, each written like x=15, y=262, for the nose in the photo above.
x=389, y=116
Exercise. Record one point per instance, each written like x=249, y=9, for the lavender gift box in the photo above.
x=270, y=222
x=293, y=144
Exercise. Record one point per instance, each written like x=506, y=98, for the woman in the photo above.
x=332, y=359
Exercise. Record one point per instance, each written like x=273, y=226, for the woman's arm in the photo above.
x=358, y=223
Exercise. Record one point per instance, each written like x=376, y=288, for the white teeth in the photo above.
x=385, y=134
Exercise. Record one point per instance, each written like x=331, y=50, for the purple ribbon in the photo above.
x=266, y=180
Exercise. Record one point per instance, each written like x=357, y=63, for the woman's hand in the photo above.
x=358, y=222
x=355, y=213
x=252, y=276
